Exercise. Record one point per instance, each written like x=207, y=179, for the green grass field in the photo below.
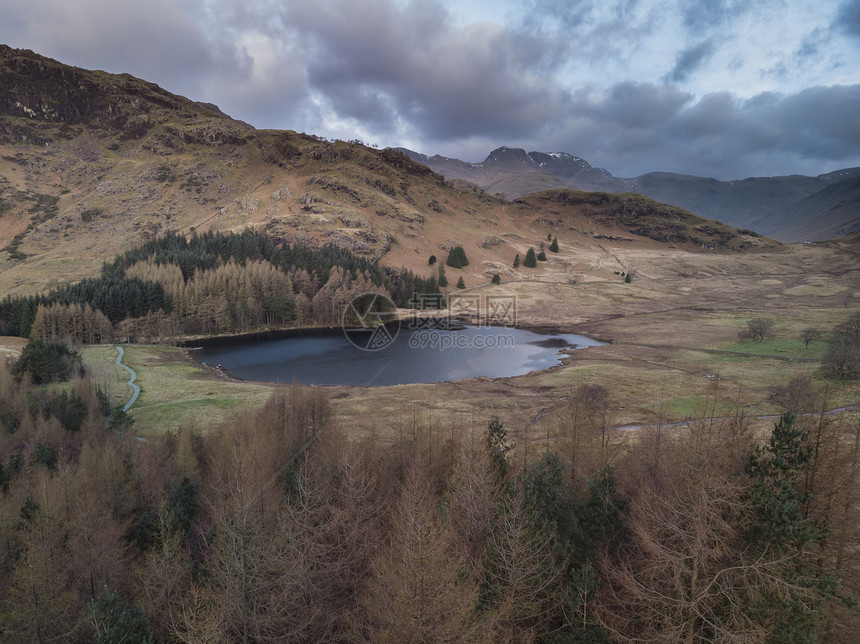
x=175, y=391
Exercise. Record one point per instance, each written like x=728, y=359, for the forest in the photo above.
x=211, y=283
x=285, y=526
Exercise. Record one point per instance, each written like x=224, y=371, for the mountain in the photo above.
x=513, y=172
x=831, y=212
x=92, y=163
x=779, y=202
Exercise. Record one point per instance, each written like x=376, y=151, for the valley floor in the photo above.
x=674, y=350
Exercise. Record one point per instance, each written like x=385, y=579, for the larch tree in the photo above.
x=418, y=591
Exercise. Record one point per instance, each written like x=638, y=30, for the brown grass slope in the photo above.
x=92, y=163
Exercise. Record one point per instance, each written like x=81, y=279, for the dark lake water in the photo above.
x=426, y=355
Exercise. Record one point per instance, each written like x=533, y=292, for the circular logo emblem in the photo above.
x=370, y=321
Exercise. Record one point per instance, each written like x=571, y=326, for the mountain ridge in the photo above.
x=91, y=163
x=513, y=172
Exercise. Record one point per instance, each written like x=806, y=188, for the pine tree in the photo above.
x=461, y=283
x=496, y=279
x=457, y=257
x=780, y=527
x=114, y=621
x=442, y=281
x=517, y=261
x=554, y=245
x=530, y=260
x=541, y=256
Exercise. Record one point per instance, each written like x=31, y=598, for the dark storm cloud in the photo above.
x=556, y=75
x=690, y=59
x=633, y=105
x=717, y=135
x=848, y=20
x=380, y=63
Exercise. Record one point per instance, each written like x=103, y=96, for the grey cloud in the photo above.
x=403, y=72
x=379, y=62
x=690, y=59
x=719, y=135
x=633, y=105
x=848, y=19
x=155, y=40
x=704, y=16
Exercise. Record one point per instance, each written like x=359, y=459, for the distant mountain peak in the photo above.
x=780, y=207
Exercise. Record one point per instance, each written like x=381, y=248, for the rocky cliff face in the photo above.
x=46, y=100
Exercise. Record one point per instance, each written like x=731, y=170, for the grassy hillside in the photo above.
x=93, y=163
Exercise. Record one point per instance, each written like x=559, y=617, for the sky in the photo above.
x=719, y=88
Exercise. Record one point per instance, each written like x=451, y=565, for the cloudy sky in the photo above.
x=722, y=88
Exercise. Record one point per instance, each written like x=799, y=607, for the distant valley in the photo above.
x=791, y=209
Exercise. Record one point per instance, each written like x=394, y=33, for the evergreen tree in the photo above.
x=554, y=245
x=442, y=281
x=497, y=445
x=780, y=527
x=777, y=495
x=47, y=362
x=517, y=261
x=530, y=261
x=457, y=257
x=541, y=256
x=496, y=279
x=461, y=283
x=431, y=260
x=114, y=621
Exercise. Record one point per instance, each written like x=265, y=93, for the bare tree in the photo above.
x=474, y=499
x=808, y=335
x=798, y=396
x=758, y=329
x=685, y=575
